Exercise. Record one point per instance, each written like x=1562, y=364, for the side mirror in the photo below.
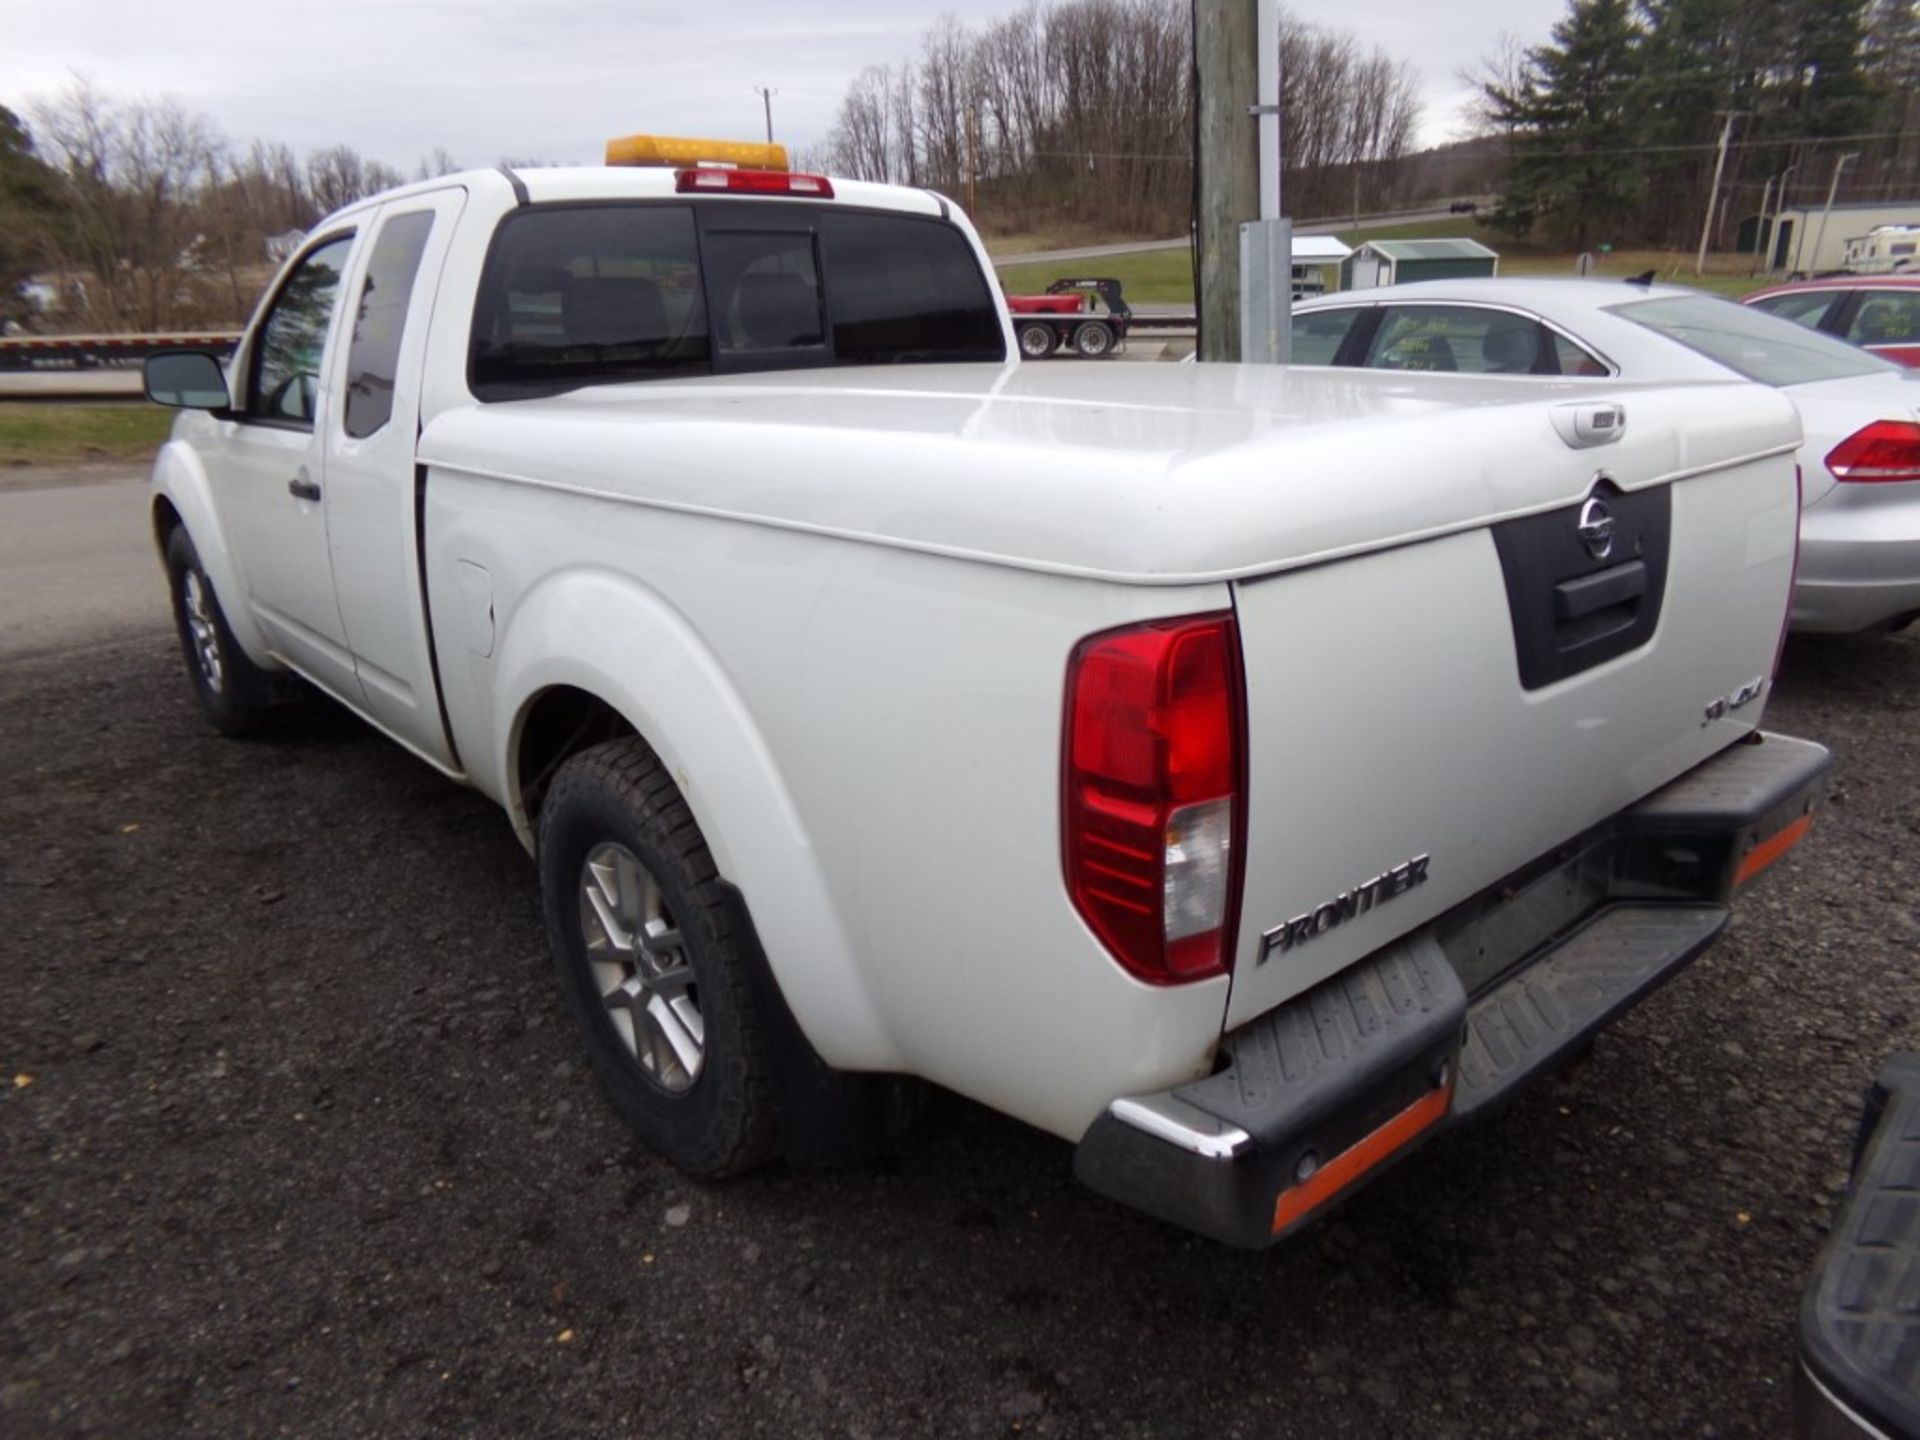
x=186, y=379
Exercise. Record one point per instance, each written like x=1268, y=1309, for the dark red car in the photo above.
x=1881, y=313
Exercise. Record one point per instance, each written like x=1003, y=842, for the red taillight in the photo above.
x=1885, y=450
x=1155, y=815
x=753, y=182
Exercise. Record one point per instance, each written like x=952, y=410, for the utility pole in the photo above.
x=1713, y=193
x=973, y=205
x=1832, y=190
x=1762, y=237
x=1779, y=212
x=1226, y=162
x=1266, y=244
x=766, y=100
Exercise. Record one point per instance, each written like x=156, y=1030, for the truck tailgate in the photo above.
x=1426, y=719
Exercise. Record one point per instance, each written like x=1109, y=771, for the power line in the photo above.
x=1767, y=144
x=1709, y=145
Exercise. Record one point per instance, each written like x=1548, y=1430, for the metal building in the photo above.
x=1803, y=246
x=1400, y=262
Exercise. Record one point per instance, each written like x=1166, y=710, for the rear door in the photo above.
x=372, y=496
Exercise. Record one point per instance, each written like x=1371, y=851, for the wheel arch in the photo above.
x=562, y=687
x=182, y=498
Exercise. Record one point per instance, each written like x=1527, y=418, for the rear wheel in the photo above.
x=236, y=695
x=1093, y=340
x=649, y=964
x=1037, y=341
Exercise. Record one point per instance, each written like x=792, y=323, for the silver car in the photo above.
x=1859, y=565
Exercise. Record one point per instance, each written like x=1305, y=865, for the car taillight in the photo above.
x=752, y=182
x=1155, y=811
x=1884, y=450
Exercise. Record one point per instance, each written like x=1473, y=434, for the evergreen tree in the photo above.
x=1892, y=65
x=1574, y=123
x=28, y=207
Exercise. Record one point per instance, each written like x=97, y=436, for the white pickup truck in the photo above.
x=1240, y=773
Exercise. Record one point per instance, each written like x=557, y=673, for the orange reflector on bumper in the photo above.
x=1363, y=1155
x=1771, y=849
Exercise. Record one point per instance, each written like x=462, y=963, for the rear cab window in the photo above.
x=1759, y=346
x=585, y=294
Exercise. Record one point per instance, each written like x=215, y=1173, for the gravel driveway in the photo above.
x=294, y=1140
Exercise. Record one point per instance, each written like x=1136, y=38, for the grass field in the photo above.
x=75, y=434
x=1149, y=276
x=1166, y=276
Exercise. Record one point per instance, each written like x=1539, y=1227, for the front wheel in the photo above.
x=236, y=696
x=649, y=963
x=1093, y=340
x=1037, y=341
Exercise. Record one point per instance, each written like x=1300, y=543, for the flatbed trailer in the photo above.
x=99, y=352
x=1043, y=324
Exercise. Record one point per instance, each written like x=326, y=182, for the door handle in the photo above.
x=303, y=489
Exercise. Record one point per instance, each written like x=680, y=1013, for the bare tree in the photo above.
x=861, y=145
x=131, y=174
x=437, y=162
x=1497, y=81
x=339, y=175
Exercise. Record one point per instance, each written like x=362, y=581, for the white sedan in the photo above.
x=1860, y=462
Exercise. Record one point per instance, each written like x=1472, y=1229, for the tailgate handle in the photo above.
x=1573, y=599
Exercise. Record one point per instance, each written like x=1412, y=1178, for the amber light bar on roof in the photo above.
x=674, y=151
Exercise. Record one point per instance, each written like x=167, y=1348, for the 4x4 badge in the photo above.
x=1596, y=528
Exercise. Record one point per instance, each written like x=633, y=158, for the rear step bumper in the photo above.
x=1329, y=1089
x=1860, y=1320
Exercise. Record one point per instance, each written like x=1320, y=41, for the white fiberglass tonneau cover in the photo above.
x=1146, y=474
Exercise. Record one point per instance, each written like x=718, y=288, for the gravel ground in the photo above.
x=294, y=1140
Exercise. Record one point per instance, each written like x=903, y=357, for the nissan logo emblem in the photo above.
x=1596, y=528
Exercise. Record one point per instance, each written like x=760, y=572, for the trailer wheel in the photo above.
x=1093, y=340
x=1037, y=341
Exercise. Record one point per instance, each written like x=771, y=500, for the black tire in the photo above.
x=1037, y=341
x=236, y=696
x=719, y=1119
x=1093, y=340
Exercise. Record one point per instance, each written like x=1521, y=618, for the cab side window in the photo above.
x=1573, y=359
x=1886, y=317
x=373, y=359
x=1803, y=307
x=1319, y=334
x=285, y=378
x=1468, y=339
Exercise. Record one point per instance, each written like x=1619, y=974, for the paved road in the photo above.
x=77, y=563
x=1307, y=227
x=45, y=385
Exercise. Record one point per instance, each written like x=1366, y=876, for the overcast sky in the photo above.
x=552, y=79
